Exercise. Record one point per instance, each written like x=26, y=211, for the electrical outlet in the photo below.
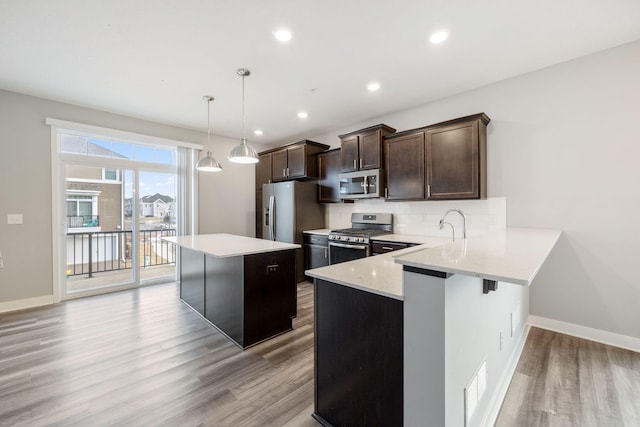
x=1, y=261
x=501, y=340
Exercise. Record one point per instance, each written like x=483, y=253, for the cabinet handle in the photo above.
x=387, y=248
x=428, y=191
x=326, y=253
x=284, y=172
x=355, y=166
x=287, y=171
x=386, y=193
x=360, y=163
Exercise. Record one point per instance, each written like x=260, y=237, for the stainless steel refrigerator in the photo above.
x=289, y=208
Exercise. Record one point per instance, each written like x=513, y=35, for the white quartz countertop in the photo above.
x=321, y=231
x=377, y=274
x=430, y=241
x=223, y=245
x=514, y=255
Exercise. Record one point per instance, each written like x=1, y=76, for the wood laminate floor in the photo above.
x=142, y=358
x=562, y=380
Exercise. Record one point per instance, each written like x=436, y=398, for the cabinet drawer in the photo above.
x=384, y=247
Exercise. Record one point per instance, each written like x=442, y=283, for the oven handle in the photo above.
x=342, y=245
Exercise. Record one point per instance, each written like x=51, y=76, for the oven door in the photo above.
x=343, y=252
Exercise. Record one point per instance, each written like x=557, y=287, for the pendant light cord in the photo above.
x=209, y=124
x=243, y=137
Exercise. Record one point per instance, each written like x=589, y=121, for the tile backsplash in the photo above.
x=422, y=218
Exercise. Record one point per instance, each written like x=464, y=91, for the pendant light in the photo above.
x=243, y=153
x=208, y=163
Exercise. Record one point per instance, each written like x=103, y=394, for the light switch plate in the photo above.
x=14, y=219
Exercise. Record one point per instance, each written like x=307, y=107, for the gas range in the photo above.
x=356, y=235
x=363, y=227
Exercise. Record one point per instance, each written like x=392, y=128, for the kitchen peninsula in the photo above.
x=449, y=322
x=245, y=287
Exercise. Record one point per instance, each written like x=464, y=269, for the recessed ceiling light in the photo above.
x=303, y=114
x=258, y=132
x=438, y=37
x=373, y=86
x=282, y=34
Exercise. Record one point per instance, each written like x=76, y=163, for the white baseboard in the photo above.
x=491, y=415
x=21, y=304
x=604, y=337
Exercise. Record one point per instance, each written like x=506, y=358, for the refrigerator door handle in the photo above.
x=272, y=224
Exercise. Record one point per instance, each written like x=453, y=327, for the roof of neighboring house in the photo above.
x=156, y=197
x=79, y=144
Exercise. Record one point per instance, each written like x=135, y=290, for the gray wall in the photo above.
x=25, y=186
x=563, y=149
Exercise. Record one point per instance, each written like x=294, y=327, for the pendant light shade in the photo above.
x=208, y=163
x=243, y=153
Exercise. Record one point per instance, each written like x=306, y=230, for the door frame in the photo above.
x=186, y=188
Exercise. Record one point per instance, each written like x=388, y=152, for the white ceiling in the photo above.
x=156, y=59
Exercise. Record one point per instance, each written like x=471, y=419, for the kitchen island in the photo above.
x=245, y=287
x=463, y=324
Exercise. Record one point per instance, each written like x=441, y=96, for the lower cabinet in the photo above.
x=382, y=247
x=249, y=298
x=358, y=357
x=316, y=251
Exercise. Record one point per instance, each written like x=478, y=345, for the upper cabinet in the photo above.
x=404, y=166
x=328, y=169
x=362, y=149
x=263, y=170
x=445, y=161
x=292, y=161
x=456, y=159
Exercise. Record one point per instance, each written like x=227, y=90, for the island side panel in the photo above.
x=192, y=279
x=270, y=294
x=358, y=357
x=224, y=296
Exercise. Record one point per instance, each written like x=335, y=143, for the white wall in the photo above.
x=563, y=149
x=25, y=187
x=227, y=198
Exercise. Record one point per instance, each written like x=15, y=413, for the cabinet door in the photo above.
x=279, y=165
x=404, y=159
x=349, y=153
x=370, y=148
x=296, y=162
x=328, y=183
x=452, y=162
x=263, y=170
x=269, y=294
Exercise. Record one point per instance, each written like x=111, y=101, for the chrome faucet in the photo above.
x=464, y=222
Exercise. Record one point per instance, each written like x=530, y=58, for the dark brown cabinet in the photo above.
x=296, y=161
x=456, y=160
x=382, y=247
x=445, y=161
x=249, y=298
x=316, y=251
x=362, y=149
x=404, y=166
x=328, y=171
x=358, y=357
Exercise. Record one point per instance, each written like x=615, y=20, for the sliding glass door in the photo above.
x=119, y=200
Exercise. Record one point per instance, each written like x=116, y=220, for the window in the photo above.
x=110, y=174
x=94, y=147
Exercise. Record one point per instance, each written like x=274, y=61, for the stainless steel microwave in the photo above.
x=361, y=184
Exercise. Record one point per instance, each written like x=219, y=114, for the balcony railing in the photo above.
x=79, y=221
x=102, y=251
